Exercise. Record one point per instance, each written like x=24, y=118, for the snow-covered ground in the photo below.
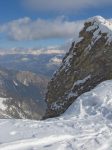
x=86, y=125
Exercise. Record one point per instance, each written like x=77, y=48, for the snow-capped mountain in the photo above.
x=86, y=125
x=22, y=94
x=23, y=83
x=88, y=62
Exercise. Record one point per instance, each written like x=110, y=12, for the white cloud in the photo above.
x=34, y=51
x=27, y=29
x=64, y=5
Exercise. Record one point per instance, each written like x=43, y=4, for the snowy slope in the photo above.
x=86, y=125
x=103, y=26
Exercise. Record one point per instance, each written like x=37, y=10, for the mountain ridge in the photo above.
x=21, y=94
x=87, y=63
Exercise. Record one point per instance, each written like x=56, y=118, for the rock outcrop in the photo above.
x=88, y=62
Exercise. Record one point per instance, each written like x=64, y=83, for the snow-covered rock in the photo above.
x=86, y=125
x=88, y=63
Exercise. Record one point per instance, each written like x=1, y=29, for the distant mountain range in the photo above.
x=43, y=63
x=21, y=94
x=23, y=82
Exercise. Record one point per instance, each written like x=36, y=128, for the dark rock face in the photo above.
x=88, y=63
x=21, y=95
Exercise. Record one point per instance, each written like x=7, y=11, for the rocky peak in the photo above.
x=88, y=62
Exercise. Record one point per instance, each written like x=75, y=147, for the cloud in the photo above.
x=64, y=5
x=48, y=50
x=27, y=29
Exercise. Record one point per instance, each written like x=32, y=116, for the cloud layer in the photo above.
x=64, y=5
x=27, y=29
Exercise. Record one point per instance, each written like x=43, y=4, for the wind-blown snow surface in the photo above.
x=86, y=125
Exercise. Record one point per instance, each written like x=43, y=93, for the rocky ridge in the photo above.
x=88, y=62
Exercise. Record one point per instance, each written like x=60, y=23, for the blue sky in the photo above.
x=42, y=23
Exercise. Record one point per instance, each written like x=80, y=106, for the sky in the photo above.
x=45, y=23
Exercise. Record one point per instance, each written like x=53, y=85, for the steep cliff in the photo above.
x=88, y=62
